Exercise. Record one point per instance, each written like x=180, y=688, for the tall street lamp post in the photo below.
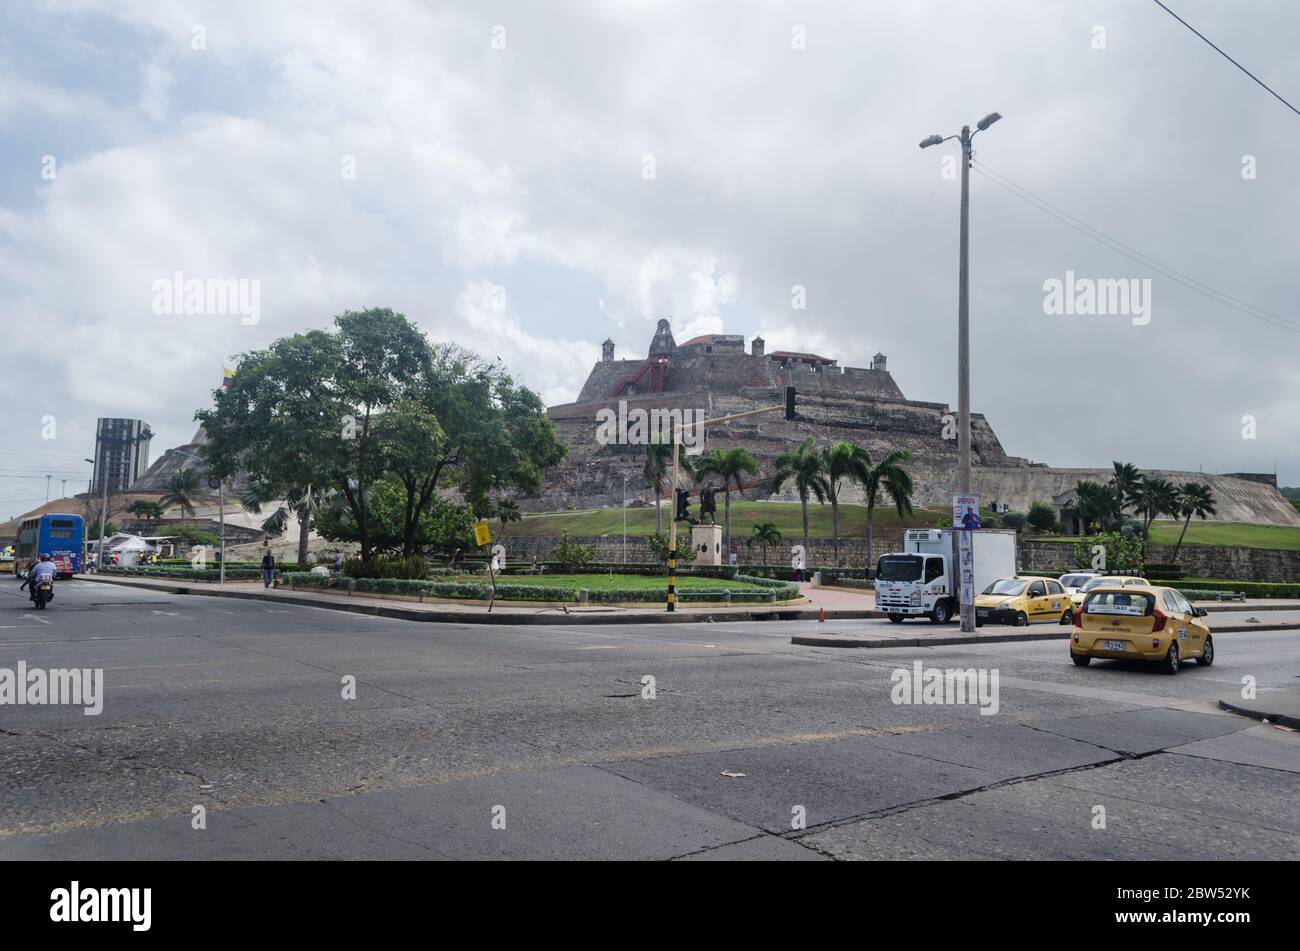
x=967, y=599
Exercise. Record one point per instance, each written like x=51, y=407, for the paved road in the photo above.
x=237, y=706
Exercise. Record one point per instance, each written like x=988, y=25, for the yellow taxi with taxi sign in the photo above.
x=1022, y=600
x=1128, y=622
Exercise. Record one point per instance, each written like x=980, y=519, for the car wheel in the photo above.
x=896, y=618
x=1022, y=619
x=1207, y=653
x=1080, y=660
x=1171, y=663
x=940, y=613
x=1068, y=618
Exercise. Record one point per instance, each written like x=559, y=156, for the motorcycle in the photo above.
x=44, y=594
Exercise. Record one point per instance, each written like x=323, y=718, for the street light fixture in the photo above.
x=966, y=599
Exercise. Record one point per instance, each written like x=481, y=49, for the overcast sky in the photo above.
x=525, y=168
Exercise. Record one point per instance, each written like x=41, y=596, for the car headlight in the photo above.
x=1004, y=605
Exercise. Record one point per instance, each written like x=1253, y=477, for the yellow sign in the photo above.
x=481, y=534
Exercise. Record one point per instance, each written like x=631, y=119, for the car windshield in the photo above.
x=1007, y=586
x=1074, y=581
x=1096, y=582
x=899, y=568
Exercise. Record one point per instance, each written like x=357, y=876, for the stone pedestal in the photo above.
x=707, y=542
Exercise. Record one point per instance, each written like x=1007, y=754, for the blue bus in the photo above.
x=62, y=537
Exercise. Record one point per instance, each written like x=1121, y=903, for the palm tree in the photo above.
x=182, y=490
x=1124, y=483
x=841, y=461
x=1094, y=502
x=730, y=465
x=302, y=501
x=888, y=476
x=764, y=534
x=508, y=511
x=658, y=470
x=1152, y=498
x=145, y=510
x=1194, y=498
x=802, y=466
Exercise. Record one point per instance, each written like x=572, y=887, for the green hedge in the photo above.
x=473, y=591
x=190, y=574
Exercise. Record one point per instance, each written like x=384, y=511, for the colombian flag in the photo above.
x=227, y=375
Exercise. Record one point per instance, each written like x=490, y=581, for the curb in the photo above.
x=818, y=640
x=1256, y=714
x=506, y=616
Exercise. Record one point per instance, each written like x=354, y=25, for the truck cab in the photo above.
x=922, y=580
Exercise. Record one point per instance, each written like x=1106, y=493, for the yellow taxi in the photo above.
x=1022, y=600
x=1076, y=599
x=1127, y=622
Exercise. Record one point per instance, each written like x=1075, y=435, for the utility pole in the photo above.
x=63, y=490
x=47, y=489
x=967, y=597
x=625, y=519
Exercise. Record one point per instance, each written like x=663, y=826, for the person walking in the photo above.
x=268, y=569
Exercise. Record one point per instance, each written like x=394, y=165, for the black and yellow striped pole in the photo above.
x=672, y=536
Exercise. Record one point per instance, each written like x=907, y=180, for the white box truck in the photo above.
x=922, y=580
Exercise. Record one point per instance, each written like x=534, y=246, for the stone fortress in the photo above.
x=865, y=405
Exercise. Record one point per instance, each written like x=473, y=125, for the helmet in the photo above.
x=45, y=556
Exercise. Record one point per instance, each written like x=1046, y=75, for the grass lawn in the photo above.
x=744, y=515
x=1238, y=534
x=1227, y=533
x=606, y=582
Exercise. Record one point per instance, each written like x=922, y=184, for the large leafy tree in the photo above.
x=1094, y=503
x=731, y=466
x=443, y=525
x=803, y=468
x=304, y=411
x=1194, y=498
x=890, y=479
x=343, y=410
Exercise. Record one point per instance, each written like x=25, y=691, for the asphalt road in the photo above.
x=456, y=730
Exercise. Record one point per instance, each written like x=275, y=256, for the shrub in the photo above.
x=1015, y=520
x=1041, y=517
x=659, y=545
x=573, y=555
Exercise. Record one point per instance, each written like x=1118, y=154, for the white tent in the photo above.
x=130, y=549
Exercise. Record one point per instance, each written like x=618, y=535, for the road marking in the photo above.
x=23, y=617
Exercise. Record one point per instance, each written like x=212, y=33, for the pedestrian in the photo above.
x=338, y=561
x=268, y=569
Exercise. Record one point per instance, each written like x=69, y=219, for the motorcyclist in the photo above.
x=43, y=570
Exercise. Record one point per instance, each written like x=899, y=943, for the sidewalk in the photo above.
x=853, y=607
x=1275, y=706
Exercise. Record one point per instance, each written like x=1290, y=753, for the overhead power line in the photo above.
x=1119, y=247
x=1227, y=57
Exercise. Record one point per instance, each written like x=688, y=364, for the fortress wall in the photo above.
x=1236, y=500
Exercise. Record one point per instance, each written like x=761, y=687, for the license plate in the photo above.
x=1114, y=645
x=982, y=612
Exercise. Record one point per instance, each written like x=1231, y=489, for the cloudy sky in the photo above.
x=605, y=164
